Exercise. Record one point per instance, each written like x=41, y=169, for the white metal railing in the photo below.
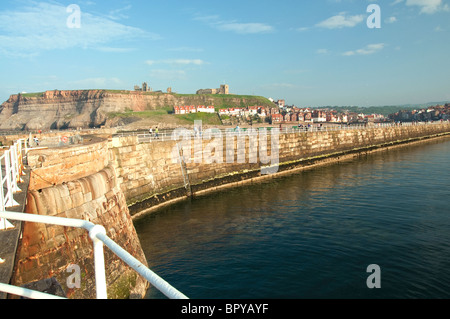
x=27, y=293
x=11, y=162
x=98, y=235
x=147, y=137
x=285, y=129
x=11, y=171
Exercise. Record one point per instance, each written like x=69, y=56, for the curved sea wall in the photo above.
x=77, y=182
x=110, y=181
x=151, y=174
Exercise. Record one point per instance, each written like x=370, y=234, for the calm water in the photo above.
x=313, y=234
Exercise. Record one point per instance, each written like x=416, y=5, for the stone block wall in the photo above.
x=46, y=251
x=55, y=166
x=76, y=182
x=149, y=176
x=144, y=170
x=295, y=146
x=108, y=181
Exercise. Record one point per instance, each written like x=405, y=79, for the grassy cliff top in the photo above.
x=225, y=101
x=165, y=115
x=218, y=100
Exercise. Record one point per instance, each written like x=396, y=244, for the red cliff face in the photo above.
x=90, y=108
x=71, y=109
x=74, y=95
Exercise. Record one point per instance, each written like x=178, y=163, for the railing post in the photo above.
x=2, y=195
x=153, y=278
x=99, y=262
x=13, y=167
x=20, y=167
x=5, y=224
x=10, y=202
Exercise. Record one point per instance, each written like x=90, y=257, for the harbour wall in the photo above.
x=76, y=182
x=111, y=180
x=150, y=175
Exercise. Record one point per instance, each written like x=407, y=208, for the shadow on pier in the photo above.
x=9, y=239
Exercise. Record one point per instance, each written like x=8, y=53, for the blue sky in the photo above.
x=310, y=53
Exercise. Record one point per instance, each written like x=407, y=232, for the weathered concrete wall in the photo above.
x=76, y=182
x=148, y=175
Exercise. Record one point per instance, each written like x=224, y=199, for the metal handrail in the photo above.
x=98, y=235
x=27, y=293
x=9, y=180
x=14, y=170
x=286, y=129
x=13, y=159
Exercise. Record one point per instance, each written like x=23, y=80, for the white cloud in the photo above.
x=428, y=6
x=369, y=49
x=341, y=21
x=322, y=51
x=245, y=28
x=396, y=2
x=186, y=49
x=118, y=14
x=391, y=20
x=233, y=26
x=43, y=27
x=211, y=19
x=174, y=71
x=176, y=62
x=302, y=29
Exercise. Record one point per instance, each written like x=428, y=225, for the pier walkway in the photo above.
x=14, y=184
x=9, y=237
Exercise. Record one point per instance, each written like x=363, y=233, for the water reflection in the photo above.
x=312, y=234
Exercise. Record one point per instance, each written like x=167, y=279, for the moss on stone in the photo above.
x=122, y=287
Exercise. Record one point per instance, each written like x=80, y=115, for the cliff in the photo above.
x=90, y=108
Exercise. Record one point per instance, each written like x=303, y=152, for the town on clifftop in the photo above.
x=74, y=109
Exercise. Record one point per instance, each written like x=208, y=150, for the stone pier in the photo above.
x=149, y=176
x=109, y=181
x=77, y=182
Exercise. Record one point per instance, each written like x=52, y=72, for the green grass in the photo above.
x=222, y=101
x=37, y=94
x=206, y=118
x=118, y=91
x=142, y=114
x=41, y=94
x=218, y=100
x=166, y=115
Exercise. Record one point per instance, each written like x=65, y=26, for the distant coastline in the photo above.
x=85, y=109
